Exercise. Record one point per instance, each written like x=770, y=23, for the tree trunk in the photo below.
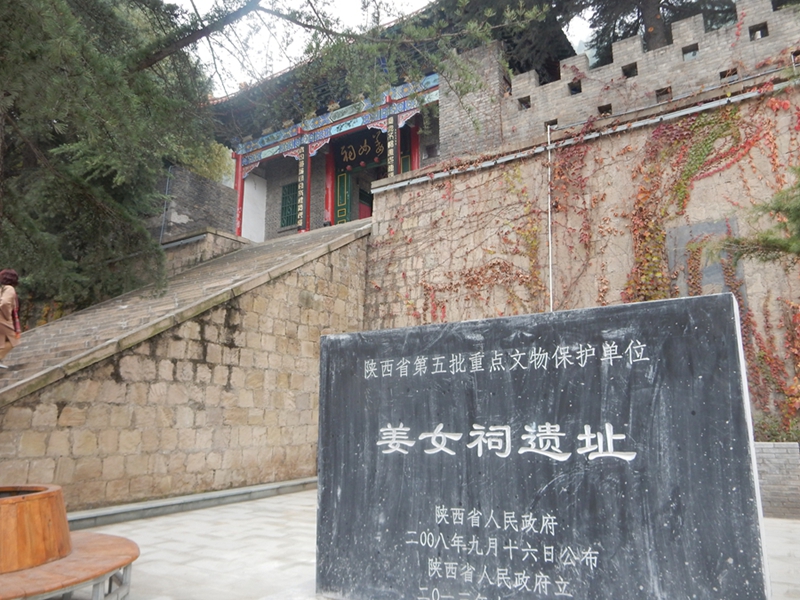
x=655, y=31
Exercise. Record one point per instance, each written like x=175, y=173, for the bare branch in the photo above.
x=196, y=36
x=254, y=6
x=210, y=49
x=319, y=18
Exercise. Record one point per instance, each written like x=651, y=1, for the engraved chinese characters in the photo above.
x=366, y=147
x=544, y=440
x=525, y=545
x=565, y=455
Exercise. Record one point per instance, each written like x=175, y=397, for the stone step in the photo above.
x=63, y=341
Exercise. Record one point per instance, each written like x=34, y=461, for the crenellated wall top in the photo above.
x=759, y=42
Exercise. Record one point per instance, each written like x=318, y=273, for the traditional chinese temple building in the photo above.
x=599, y=188
x=308, y=172
x=297, y=171
x=319, y=172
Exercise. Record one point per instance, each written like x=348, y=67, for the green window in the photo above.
x=289, y=205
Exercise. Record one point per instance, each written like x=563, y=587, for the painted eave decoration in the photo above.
x=317, y=130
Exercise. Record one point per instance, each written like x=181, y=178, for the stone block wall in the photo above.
x=725, y=59
x=226, y=399
x=779, y=478
x=195, y=203
x=471, y=123
x=198, y=247
x=473, y=242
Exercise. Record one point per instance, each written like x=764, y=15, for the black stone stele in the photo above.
x=595, y=454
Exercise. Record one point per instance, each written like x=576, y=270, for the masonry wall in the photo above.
x=474, y=243
x=779, y=478
x=201, y=246
x=195, y=203
x=278, y=172
x=227, y=399
x=470, y=122
x=725, y=59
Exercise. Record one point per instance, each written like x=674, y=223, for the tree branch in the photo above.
x=331, y=33
x=195, y=36
x=254, y=5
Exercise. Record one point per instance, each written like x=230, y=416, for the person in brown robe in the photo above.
x=9, y=313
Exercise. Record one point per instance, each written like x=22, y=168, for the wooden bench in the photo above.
x=98, y=560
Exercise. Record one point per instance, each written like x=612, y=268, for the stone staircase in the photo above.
x=55, y=350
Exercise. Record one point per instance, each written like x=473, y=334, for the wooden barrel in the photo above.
x=33, y=526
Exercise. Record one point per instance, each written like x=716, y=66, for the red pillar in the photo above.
x=238, y=186
x=414, y=147
x=330, y=185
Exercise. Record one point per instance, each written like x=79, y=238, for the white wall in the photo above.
x=255, y=206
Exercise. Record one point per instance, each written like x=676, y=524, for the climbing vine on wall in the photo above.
x=769, y=380
x=578, y=222
x=675, y=156
x=678, y=154
x=512, y=268
x=694, y=257
x=789, y=405
x=459, y=247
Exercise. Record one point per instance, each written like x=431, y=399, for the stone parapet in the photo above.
x=515, y=112
x=471, y=123
x=193, y=202
x=192, y=249
x=779, y=478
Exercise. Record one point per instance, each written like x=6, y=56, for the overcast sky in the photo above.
x=272, y=52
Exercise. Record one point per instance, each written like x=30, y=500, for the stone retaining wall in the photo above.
x=194, y=203
x=197, y=247
x=779, y=478
x=226, y=399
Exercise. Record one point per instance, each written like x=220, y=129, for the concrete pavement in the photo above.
x=257, y=549
x=265, y=549
x=783, y=557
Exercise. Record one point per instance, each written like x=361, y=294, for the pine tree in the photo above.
x=614, y=20
x=779, y=239
x=96, y=96
x=83, y=140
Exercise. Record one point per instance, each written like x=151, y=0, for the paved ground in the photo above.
x=265, y=549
